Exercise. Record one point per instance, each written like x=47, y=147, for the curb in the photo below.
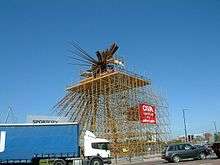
x=145, y=159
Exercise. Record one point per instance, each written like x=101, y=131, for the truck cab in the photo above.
x=96, y=149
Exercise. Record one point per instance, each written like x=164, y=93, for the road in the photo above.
x=212, y=161
x=186, y=162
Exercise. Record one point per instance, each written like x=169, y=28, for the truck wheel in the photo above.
x=60, y=162
x=35, y=161
x=96, y=161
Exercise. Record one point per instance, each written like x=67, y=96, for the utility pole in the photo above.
x=184, y=121
x=216, y=136
x=214, y=122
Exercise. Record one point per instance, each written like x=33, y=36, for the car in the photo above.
x=207, y=148
x=177, y=152
x=216, y=148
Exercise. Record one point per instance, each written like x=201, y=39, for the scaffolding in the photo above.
x=108, y=105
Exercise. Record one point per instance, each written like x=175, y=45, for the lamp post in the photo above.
x=184, y=121
x=216, y=132
x=214, y=122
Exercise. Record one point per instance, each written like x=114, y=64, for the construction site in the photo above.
x=108, y=101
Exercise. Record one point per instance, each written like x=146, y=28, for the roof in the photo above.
x=37, y=124
x=110, y=78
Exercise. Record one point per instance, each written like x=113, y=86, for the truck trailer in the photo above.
x=57, y=144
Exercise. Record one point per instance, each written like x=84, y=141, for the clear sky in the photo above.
x=175, y=43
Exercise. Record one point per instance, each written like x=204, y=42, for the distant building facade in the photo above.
x=201, y=138
x=208, y=137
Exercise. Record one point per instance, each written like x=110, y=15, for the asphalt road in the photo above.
x=211, y=161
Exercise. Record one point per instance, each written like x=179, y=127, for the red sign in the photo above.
x=147, y=113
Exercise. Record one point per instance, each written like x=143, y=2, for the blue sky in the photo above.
x=175, y=43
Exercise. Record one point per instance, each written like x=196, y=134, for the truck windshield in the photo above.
x=102, y=146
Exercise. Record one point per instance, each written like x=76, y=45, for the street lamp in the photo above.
x=214, y=122
x=184, y=121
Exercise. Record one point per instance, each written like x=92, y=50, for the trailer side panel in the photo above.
x=22, y=142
